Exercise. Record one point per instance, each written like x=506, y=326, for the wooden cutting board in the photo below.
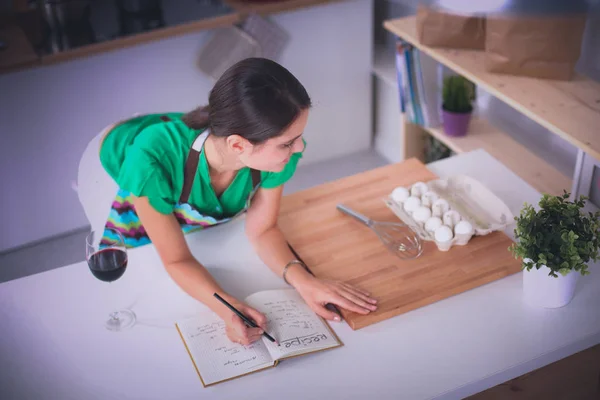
x=335, y=246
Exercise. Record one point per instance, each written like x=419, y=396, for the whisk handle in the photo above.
x=352, y=213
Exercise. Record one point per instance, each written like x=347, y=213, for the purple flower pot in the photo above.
x=456, y=124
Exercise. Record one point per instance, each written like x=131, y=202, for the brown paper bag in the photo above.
x=541, y=47
x=440, y=29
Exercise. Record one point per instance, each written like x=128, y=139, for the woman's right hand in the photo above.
x=191, y=276
x=237, y=330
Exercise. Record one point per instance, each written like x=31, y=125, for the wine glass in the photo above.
x=106, y=256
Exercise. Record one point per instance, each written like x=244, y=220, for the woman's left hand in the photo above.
x=318, y=292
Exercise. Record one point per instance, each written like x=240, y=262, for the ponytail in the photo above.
x=198, y=118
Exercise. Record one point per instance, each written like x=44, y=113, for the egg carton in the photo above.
x=463, y=205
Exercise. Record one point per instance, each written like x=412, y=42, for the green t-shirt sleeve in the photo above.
x=143, y=176
x=274, y=179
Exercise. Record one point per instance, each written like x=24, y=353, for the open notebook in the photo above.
x=291, y=322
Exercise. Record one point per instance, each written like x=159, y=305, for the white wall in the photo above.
x=387, y=139
x=48, y=115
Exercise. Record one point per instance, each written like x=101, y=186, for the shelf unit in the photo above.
x=482, y=135
x=141, y=38
x=566, y=108
x=22, y=55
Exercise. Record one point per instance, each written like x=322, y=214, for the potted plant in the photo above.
x=457, y=96
x=555, y=244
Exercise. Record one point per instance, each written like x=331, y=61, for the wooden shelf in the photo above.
x=570, y=109
x=528, y=166
x=22, y=55
x=272, y=7
x=146, y=37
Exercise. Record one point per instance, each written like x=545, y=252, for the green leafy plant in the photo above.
x=559, y=235
x=458, y=94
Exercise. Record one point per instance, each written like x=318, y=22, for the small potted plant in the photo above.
x=457, y=96
x=555, y=244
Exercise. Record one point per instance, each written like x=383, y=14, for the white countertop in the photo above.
x=54, y=344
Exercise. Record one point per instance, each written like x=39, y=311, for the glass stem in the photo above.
x=114, y=314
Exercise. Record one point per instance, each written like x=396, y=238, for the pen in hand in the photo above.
x=247, y=320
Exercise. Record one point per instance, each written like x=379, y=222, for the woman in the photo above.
x=179, y=172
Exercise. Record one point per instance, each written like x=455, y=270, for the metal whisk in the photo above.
x=397, y=237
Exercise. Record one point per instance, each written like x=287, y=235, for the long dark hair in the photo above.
x=256, y=98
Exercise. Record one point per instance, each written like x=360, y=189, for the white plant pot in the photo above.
x=542, y=290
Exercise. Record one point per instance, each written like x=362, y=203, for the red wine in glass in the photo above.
x=106, y=256
x=108, y=265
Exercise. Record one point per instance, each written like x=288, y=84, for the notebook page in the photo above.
x=215, y=356
x=292, y=323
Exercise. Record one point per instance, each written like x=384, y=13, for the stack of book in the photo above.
x=420, y=80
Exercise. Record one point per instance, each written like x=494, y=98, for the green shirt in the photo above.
x=147, y=156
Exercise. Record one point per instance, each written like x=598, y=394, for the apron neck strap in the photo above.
x=255, y=174
x=199, y=142
x=191, y=166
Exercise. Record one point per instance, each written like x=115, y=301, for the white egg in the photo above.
x=411, y=204
x=432, y=224
x=443, y=234
x=451, y=218
x=439, y=207
x=428, y=198
x=400, y=194
x=463, y=228
x=418, y=189
x=422, y=214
